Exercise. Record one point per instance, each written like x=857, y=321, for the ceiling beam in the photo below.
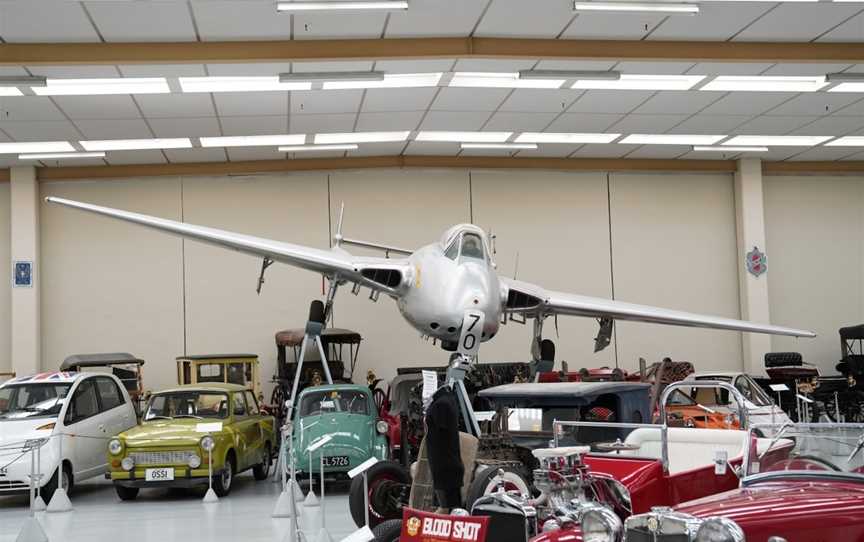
x=32, y=54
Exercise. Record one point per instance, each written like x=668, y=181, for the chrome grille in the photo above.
x=13, y=485
x=162, y=458
x=642, y=535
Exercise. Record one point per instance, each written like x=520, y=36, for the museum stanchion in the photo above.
x=60, y=500
x=323, y=535
x=286, y=505
x=39, y=503
x=364, y=534
x=32, y=530
x=311, y=500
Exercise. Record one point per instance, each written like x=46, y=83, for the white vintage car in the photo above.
x=84, y=409
x=760, y=408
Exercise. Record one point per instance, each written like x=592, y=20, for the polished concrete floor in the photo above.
x=168, y=516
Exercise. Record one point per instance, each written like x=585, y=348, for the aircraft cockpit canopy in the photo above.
x=466, y=243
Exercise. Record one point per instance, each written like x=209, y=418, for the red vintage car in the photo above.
x=806, y=485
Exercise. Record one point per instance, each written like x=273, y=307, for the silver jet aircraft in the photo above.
x=448, y=290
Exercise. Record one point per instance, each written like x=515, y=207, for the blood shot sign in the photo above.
x=420, y=526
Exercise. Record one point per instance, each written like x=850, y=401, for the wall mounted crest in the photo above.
x=756, y=262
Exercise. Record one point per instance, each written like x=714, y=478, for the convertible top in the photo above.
x=99, y=360
x=294, y=337
x=569, y=390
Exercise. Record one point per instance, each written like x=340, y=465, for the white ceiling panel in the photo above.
x=311, y=124
x=715, y=22
x=773, y=125
x=350, y=66
x=851, y=31
x=550, y=151
x=519, y=122
x=389, y=122
x=677, y=101
x=778, y=154
x=710, y=124
x=176, y=105
x=135, y=157
x=196, y=155
x=831, y=126
x=398, y=99
x=823, y=153
x=603, y=151
x=647, y=124
x=517, y=18
x=454, y=121
x=220, y=20
x=432, y=148
x=75, y=71
x=435, y=18
x=40, y=130
x=72, y=162
x=816, y=104
x=576, y=65
x=231, y=104
x=747, y=103
x=797, y=21
x=98, y=107
x=728, y=68
x=632, y=26
x=583, y=122
x=415, y=66
x=330, y=101
x=654, y=68
x=27, y=22
x=378, y=149
x=114, y=129
x=28, y=108
x=143, y=21
x=856, y=156
x=855, y=109
x=540, y=100
x=239, y=154
x=660, y=151
x=163, y=70
x=469, y=99
x=188, y=127
x=240, y=126
x=499, y=65
x=610, y=101
x=336, y=25
x=803, y=69
x=488, y=152
x=251, y=69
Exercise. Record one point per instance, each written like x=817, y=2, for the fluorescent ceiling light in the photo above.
x=671, y=139
x=765, y=83
x=361, y=137
x=341, y=6
x=848, y=87
x=699, y=148
x=776, y=141
x=301, y=148
x=239, y=84
x=60, y=155
x=93, y=87
x=570, y=74
x=254, y=140
x=467, y=137
x=396, y=80
x=537, y=137
x=136, y=144
x=513, y=146
x=331, y=76
x=500, y=80
x=10, y=91
x=848, y=141
x=642, y=82
x=638, y=7
x=23, y=81
x=36, y=146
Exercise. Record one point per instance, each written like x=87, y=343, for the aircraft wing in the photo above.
x=533, y=300
x=383, y=274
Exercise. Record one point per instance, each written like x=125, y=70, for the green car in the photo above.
x=180, y=428
x=345, y=412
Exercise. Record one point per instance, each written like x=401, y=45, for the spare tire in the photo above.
x=486, y=482
x=388, y=531
x=387, y=480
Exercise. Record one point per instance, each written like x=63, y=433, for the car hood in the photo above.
x=177, y=432
x=794, y=498
x=17, y=431
x=349, y=432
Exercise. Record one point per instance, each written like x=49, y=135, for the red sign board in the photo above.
x=420, y=526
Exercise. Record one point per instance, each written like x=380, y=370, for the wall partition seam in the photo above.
x=183, y=269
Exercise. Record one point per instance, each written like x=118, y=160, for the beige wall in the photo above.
x=815, y=251
x=6, y=278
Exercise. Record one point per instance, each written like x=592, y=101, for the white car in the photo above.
x=84, y=409
x=760, y=408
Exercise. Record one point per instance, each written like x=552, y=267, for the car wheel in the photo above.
x=225, y=479
x=262, y=470
x=387, y=480
x=486, y=482
x=388, y=531
x=126, y=493
x=50, y=487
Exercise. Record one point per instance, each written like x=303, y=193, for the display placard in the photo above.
x=210, y=427
x=420, y=526
x=778, y=387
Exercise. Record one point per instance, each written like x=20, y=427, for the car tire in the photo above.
x=383, y=471
x=388, y=531
x=262, y=470
x=224, y=481
x=127, y=493
x=50, y=487
x=485, y=482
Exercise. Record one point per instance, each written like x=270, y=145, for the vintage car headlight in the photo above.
x=207, y=443
x=382, y=427
x=599, y=524
x=194, y=461
x=719, y=529
x=115, y=446
x=551, y=525
x=128, y=463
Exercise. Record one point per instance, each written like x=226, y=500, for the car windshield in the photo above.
x=808, y=447
x=20, y=401
x=746, y=385
x=323, y=402
x=679, y=398
x=187, y=404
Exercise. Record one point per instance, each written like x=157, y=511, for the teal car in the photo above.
x=348, y=415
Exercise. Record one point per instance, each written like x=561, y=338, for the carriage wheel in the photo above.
x=380, y=399
x=278, y=401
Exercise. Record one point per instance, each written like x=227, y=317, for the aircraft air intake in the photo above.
x=520, y=301
x=390, y=278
